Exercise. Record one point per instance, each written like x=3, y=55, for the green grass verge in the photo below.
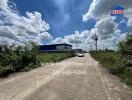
x=53, y=57
x=115, y=65
x=11, y=64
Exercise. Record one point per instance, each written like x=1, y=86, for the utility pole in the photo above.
x=91, y=47
x=96, y=42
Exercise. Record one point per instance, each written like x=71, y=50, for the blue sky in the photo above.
x=63, y=16
x=64, y=21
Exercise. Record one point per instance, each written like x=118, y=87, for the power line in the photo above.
x=108, y=7
x=106, y=11
x=96, y=37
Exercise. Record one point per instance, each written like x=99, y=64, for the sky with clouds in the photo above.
x=64, y=21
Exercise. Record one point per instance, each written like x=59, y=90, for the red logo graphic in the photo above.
x=117, y=12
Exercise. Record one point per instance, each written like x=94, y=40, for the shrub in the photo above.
x=5, y=71
x=26, y=57
x=19, y=58
x=120, y=62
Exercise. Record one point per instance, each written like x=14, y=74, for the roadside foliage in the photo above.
x=118, y=62
x=26, y=57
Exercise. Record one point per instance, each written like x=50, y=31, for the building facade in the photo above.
x=55, y=47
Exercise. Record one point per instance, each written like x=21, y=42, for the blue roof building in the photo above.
x=55, y=47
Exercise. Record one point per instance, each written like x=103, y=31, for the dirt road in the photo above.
x=73, y=79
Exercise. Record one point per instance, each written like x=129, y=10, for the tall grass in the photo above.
x=53, y=57
x=119, y=62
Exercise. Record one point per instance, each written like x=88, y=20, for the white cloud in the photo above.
x=127, y=4
x=85, y=39
x=96, y=10
x=22, y=28
x=45, y=36
x=4, y=4
x=99, y=8
x=106, y=28
x=122, y=37
x=58, y=40
x=79, y=40
x=128, y=14
x=6, y=31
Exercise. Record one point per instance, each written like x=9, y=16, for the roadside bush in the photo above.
x=119, y=62
x=10, y=59
x=53, y=57
x=5, y=71
x=14, y=60
x=26, y=57
x=28, y=67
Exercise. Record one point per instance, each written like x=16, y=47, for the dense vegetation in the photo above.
x=26, y=57
x=118, y=62
x=54, y=57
